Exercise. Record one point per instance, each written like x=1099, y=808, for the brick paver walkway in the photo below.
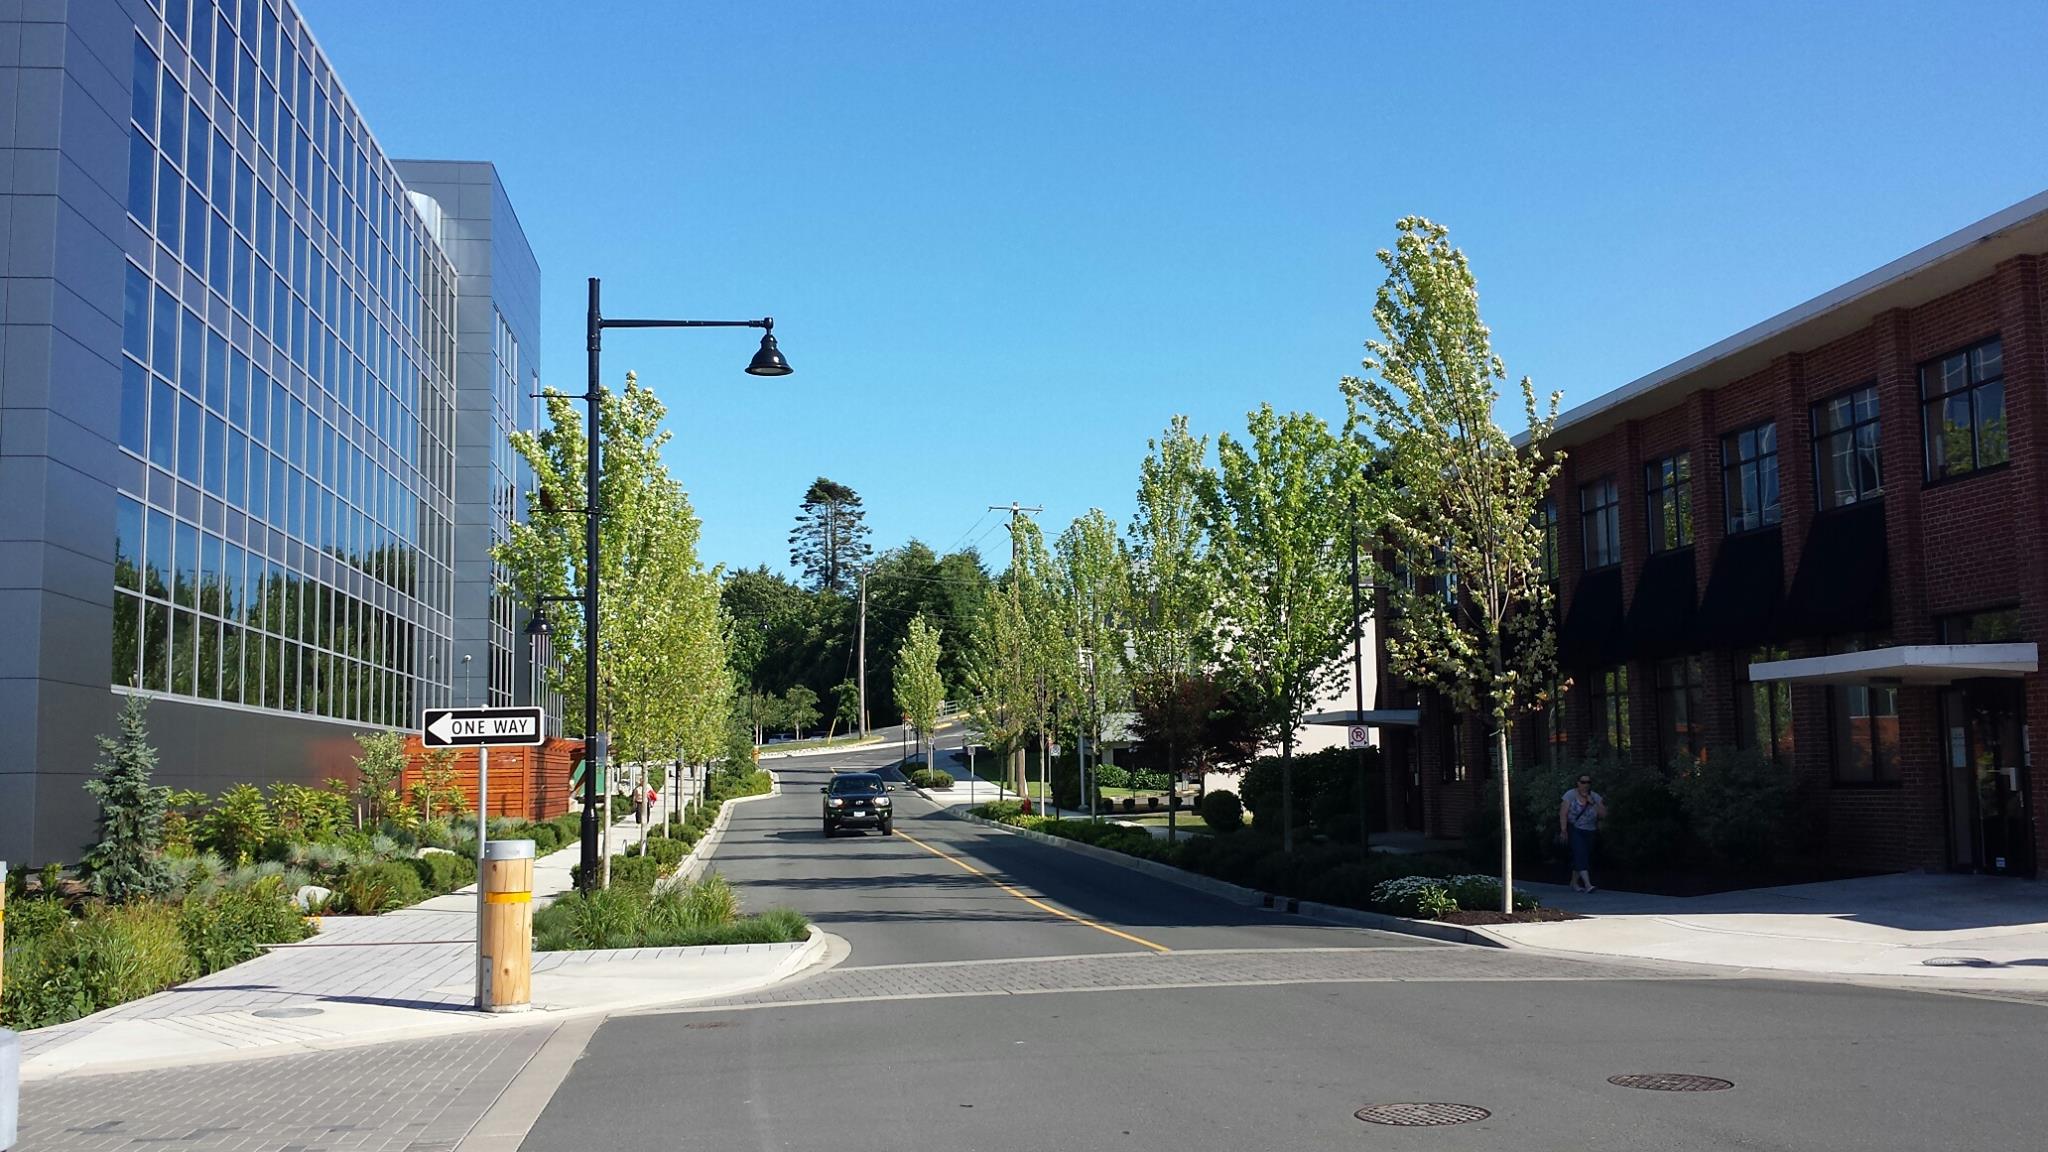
x=414, y=1096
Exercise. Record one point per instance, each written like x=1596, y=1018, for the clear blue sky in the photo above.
x=1005, y=242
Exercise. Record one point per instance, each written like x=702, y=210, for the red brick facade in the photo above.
x=1963, y=544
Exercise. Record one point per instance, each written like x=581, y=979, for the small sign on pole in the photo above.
x=1361, y=736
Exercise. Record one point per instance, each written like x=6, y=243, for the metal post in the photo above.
x=863, y=645
x=1358, y=682
x=593, y=747
x=483, y=786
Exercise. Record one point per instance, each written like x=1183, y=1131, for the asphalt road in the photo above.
x=977, y=1012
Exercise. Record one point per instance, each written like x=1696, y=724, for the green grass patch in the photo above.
x=707, y=912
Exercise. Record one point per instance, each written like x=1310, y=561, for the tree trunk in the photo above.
x=1172, y=787
x=1287, y=791
x=1507, y=822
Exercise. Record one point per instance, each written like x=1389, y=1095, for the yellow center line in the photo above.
x=1034, y=902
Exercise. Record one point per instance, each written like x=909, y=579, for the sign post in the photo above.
x=484, y=729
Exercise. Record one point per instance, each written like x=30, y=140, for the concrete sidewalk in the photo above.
x=402, y=975
x=1912, y=925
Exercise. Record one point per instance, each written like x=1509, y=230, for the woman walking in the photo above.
x=1578, y=819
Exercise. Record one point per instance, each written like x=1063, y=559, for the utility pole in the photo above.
x=1017, y=766
x=863, y=645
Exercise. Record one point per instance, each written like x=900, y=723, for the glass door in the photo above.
x=1990, y=823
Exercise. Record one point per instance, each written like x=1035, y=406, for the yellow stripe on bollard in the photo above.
x=507, y=897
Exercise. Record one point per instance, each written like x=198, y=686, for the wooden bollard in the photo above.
x=505, y=927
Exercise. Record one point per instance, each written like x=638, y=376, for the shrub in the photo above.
x=112, y=955
x=231, y=925
x=34, y=919
x=1415, y=896
x=666, y=852
x=706, y=912
x=368, y=889
x=602, y=918
x=182, y=812
x=1741, y=805
x=1475, y=893
x=1110, y=776
x=307, y=814
x=444, y=871
x=931, y=778
x=636, y=872
x=239, y=824
x=1000, y=811
x=1222, y=810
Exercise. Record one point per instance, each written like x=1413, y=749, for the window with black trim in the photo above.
x=1678, y=708
x=1763, y=709
x=1986, y=626
x=1600, y=522
x=1546, y=522
x=1607, y=694
x=1451, y=750
x=1668, y=492
x=1962, y=405
x=1863, y=724
x=1845, y=451
x=1749, y=477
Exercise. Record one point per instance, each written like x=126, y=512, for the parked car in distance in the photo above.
x=858, y=800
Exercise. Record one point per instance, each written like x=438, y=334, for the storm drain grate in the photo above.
x=710, y=1024
x=286, y=1013
x=1671, y=1082
x=1421, y=1115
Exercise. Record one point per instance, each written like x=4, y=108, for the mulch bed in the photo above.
x=1533, y=916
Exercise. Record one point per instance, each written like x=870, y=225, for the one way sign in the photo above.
x=480, y=727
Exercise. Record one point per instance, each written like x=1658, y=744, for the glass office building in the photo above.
x=251, y=460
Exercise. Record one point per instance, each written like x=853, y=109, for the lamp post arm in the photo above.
x=767, y=322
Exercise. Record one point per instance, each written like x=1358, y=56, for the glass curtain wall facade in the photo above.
x=284, y=535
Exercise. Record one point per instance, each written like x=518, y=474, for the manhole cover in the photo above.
x=1957, y=962
x=286, y=1013
x=710, y=1024
x=1421, y=1115
x=1671, y=1082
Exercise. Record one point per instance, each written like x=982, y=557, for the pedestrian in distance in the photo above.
x=1578, y=820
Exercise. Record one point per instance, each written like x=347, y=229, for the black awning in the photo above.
x=1843, y=583
x=1745, y=591
x=1660, y=620
x=1595, y=629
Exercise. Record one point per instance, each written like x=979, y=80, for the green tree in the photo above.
x=830, y=541
x=1172, y=599
x=846, y=704
x=1277, y=516
x=1464, y=500
x=127, y=863
x=436, y=790
x=999, y=685
x=800, y=705
x=378, y=771
x=1094, y=585
x=919, y=690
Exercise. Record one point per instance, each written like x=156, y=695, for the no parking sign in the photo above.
x=1361, y=736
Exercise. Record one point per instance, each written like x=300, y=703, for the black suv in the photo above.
x=858, y=800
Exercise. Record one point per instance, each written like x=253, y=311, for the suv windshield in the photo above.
x=844, y=785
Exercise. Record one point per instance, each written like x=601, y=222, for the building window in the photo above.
x=1548, y=729
x=1608, y=696
x=1546, y=523
x=1600, y=521
x=1991, y=626
x=1845, y=460
x=1962, y=403
x=1863, y=725
x=1749, y=477
x=1455, y=769
x=1668, y=484
x=1678, y=708
x=1763, y=709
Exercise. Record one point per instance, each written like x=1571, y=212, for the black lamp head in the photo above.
x=768, y=361
x=539, y=626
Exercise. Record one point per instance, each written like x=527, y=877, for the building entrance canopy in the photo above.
x=1371, y=718
x=1904, y=664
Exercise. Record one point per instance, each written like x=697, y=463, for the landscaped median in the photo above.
x=1427, y=894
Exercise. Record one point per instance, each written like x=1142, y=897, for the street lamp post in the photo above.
x=767, y=361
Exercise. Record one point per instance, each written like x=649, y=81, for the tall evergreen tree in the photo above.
x=127, y=863
x=830, y=541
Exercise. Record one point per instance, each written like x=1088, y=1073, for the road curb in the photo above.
x=1252, y=897
x=693, y=865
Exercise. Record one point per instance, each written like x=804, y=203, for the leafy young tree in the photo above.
x=127, y=863
x=378, y=770
x=1463, y=496
x=1277, y=514
x=1094, y=584
x=800, y=705
x=919, y=690
x=1172, y=599
x=999, y=683
x=846, y=704
x=829, y=543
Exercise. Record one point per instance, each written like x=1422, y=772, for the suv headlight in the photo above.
x=881, y=801
x=833, y=802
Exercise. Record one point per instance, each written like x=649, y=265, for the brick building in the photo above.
x=1821, y=538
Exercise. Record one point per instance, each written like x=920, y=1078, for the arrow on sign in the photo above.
x=482, y=727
